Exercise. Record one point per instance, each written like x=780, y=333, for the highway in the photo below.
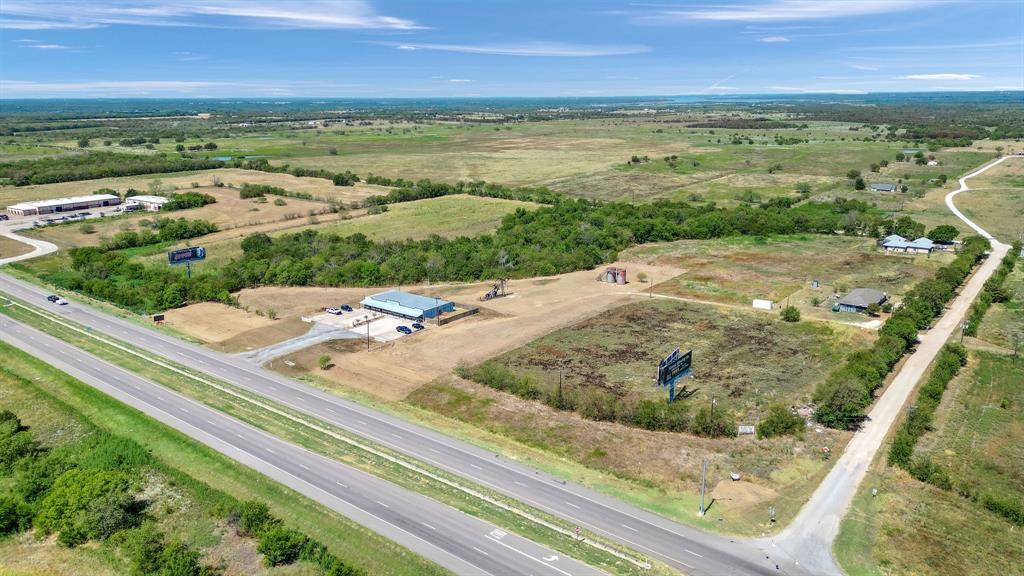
x=457, y=541
x=687, y=549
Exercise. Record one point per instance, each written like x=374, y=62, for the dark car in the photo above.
x=53, y=298
x=346, y=307
x=417, y=326
x=4, y=217
x=404, y=329
x=82, y=214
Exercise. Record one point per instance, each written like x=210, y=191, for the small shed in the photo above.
x=859, y=299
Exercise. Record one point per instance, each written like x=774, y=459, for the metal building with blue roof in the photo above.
x=406, y=305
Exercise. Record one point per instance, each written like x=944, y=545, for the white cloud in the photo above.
x=460, y=80
x=940, y=77
x=28, y=43
x=863, y=67
x=554, y=49
x=1010, y=43
x=784, y=10
x=773, y=39
x=59, y=14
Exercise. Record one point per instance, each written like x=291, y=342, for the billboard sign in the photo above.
x=185, y=255
x=674, y=367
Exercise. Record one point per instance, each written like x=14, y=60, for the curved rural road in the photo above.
x=810, y=536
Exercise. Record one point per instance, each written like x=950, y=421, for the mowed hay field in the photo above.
x=738, y=269
x=1003, y=325
x=318, y=187
x=915, y=528
x=10, y=247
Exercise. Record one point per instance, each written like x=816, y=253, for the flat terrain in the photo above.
x=10, y=247
x=739, y=269
x=915, y=528
x=996, y=200
x=746, y=360
x=233, y=216
x=187, y=489
x=318, y=187
x=1004, y=322
x=447, y=216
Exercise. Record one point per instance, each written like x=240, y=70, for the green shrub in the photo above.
x=254, y=518
x=86, y=504
x=280, y=545
x=780, y=421
x=790, y=314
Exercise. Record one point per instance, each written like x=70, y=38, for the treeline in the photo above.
x=595, y=404
x=346, y=178
x=260, y=190
x=919, y=420
x=745, y=124
x=92, y=489
x=423, y=189
x=96, y=165
x=568, y=236
x=994, y=290
x=848, y=390
x=163, y=230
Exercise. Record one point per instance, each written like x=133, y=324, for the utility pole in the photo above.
x=703, y=484
x=367, y=334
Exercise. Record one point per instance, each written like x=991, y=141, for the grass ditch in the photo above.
x=354, y=450
x=53, y=402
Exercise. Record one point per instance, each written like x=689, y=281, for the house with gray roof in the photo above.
x=883, y=187
x=859, y=299
x=897, y=243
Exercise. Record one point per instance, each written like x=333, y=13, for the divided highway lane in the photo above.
x=685, y=548
x=459, y=542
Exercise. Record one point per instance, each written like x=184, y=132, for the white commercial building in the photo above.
x=56, y=205
x=150, y=203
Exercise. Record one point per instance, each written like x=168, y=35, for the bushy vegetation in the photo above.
x=410, y=191
x=564, y=237
x=159, y=230
x=345, y=178
x=95, y=165
x=993, y=291
x=780, y=421
x=260, y=190
x=91, y=489
x=187, y=200
x=842, y=398
x=596, y=404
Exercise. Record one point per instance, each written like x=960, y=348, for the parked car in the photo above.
x=4, y=217
x=53, y=298
x=85, y=214
x=404, y=329
x=346, y=307
x=417, y=326
x=335, y=311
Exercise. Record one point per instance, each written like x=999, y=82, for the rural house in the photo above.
x=897, y=243
x=859, y=299
x=883, y=187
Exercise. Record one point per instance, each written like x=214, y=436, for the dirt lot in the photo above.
x=318, y=187
x=231, y=329
x=536, y=307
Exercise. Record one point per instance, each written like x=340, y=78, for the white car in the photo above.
x=60, y=302
x=335, y=311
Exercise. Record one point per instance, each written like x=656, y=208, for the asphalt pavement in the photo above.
x=462, y=543
x=688, y=549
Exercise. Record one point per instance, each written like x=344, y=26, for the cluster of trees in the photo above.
x=260, y=190
x=94, y=165
x=410, y=191
x=345, y=178
x=187, y=200
x=740, y=123
x=564, y=237
x=90, y=490
x=601, y=405
x=281, y=545
x=943, y=233
x=993, y=291
x=166, y=230
x=848, y=390
x=780, y=421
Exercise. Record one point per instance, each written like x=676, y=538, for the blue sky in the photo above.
x=394, y=48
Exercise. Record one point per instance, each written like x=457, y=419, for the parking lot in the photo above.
x=383, y=328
